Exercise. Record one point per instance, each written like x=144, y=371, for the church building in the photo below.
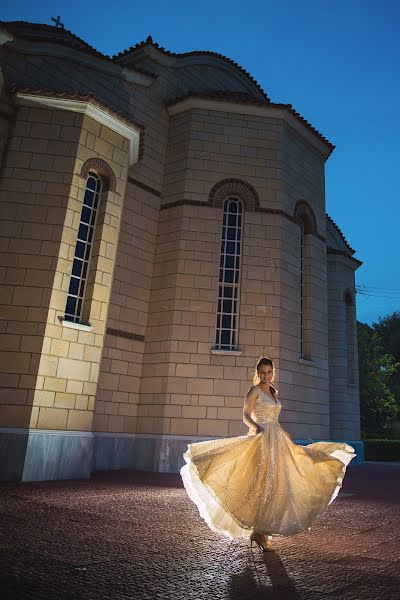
x=163, y=225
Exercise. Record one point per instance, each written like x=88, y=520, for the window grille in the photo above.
x=302, y=299
x=83, y=248
x=229, y=276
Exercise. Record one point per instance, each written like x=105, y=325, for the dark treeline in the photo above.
x=379, y=367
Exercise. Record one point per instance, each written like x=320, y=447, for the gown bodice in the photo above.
x=266, y=410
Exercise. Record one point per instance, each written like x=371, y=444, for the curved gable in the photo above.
x=335, y=238
x=197, y=71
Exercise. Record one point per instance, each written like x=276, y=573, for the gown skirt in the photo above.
x=263, y=481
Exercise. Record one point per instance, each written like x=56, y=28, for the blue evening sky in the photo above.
x=336, y=62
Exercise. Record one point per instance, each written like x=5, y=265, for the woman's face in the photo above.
x=265, y=373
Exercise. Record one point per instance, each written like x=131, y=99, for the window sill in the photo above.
x=72, y=325
x=306, y=361
x=227, y=352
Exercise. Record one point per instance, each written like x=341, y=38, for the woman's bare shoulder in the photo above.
x=252, y=391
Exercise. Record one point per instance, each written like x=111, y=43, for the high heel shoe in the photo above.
x=262, y=541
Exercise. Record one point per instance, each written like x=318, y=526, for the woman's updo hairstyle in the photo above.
x=267, y=362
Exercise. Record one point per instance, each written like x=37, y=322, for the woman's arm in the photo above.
x=248, y=408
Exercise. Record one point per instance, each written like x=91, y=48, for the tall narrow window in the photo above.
x=302, y=298
x=83, y=248
x=305, y=218
x=229, y=276
x=349, y=337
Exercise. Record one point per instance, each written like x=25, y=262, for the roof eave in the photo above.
x=262, y=109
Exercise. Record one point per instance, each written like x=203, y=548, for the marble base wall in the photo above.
x=13, y=445
x=158, y=453
x=40, y=455
x=163, y=453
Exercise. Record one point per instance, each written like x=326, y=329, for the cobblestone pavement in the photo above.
x=137, y=536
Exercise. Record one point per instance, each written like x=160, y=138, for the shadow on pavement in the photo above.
x=265, y=578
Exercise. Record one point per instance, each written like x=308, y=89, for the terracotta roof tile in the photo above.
x=340, y=232
x=66, y=37
x=343, y=253
x=298, y=116
x=242, y=97
x=61, y=36
x=149, y=42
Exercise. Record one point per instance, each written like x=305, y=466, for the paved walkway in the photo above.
x=134, y=535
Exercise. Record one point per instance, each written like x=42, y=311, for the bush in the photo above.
x=383, y=435
x=383, y=449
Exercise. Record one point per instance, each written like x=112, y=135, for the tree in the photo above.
x=376, y=367
x=388, y=329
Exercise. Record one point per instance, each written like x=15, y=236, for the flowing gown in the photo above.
x=263, y=481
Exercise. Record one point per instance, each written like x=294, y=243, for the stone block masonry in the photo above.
x=139, y=375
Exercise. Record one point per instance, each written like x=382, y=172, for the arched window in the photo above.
x=302, y=291
x=305, y=218
x=229, y=276
x=349, y=303
x=83, y=248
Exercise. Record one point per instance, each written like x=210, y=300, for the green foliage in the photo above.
x=388, y=329
x=378, y=405
x=382, y=450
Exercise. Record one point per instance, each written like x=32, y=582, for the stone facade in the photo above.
x=138, y=375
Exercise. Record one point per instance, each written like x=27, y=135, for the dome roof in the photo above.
x=199, y=71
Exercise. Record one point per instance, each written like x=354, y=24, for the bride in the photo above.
x=262, y=484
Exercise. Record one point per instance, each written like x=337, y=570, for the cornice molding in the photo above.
x=342, y=256
x=259, y=209
x=125, y=334
x=270, y=111
x=145, y=187
x=86, y=107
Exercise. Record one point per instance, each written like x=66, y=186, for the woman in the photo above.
x=263, y=484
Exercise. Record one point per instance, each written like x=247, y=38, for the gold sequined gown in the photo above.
x=263, y=481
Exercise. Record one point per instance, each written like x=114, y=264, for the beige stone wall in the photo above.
x=344, y=394
x=177, y=388
x=33, y=209
x=188, y=390
x=170, y=381
x=302, y=175
x=207, y=146
x=54, y=369
x=157, y=371
x=117, y=398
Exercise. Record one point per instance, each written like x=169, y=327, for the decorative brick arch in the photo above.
x=236, y=188
x=103, y=169
x=303, y=212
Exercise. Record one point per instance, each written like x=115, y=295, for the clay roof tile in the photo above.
x=340, y=232
x=149, y=42
x=61, y=36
